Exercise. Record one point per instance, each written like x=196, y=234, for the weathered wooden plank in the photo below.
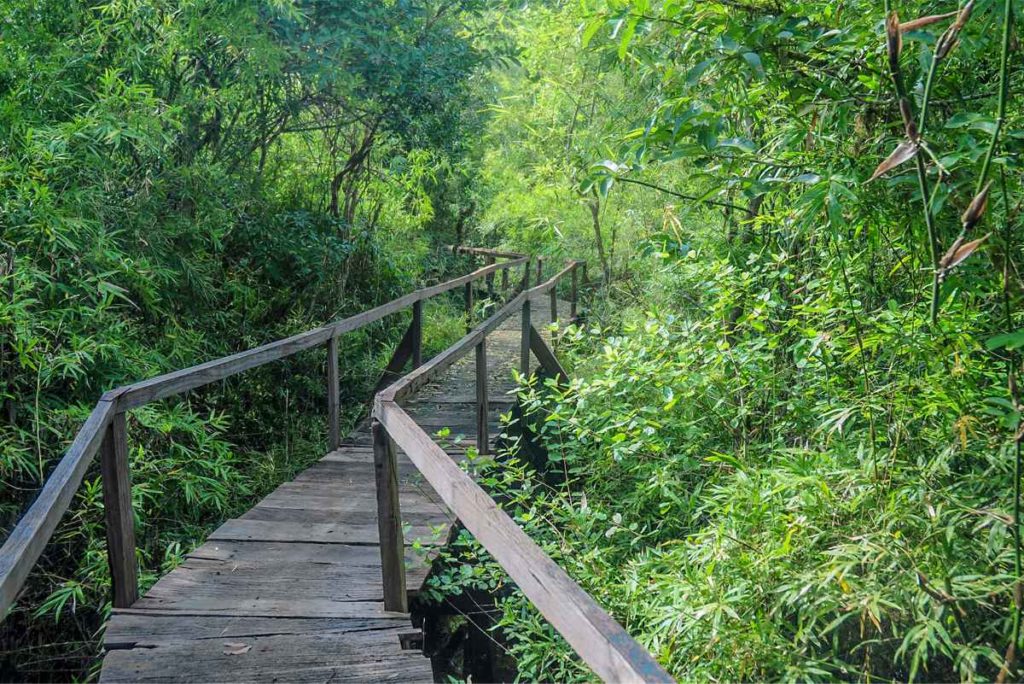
x=333, y=398
x=486, y=251
x=417, y=328
x=600, y=641
x=389, y=521
x=117, y=507
x=336, y=658
x=131, y=629
x=29, y=537
x=418, y=519
x=482, y=409
x=267, y=554
x=524, y=346
x=319, y=533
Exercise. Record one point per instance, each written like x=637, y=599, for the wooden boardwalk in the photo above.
x=292, y=590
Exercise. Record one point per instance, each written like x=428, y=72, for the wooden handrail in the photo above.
x=485, y=251
x=596, y=637
x=24, y=545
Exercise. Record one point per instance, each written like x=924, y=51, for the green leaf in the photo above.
x=1008, y=341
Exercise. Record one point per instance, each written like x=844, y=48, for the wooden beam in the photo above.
x=546, y=357
x=540, y=268
x=417, y=333
x=485, y=251
x=403, y=352
x=28, y=538
x=483, y=438
x=469, y=306
x=524, y=346
x=417, y=378
x=553, y=296
x=490, y=279
x=333, y=396
x=574, y=297
x=428, y=371
x=389, y=521
x=601, y=643
x=120, y=519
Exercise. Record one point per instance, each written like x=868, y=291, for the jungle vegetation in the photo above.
x=791, y=448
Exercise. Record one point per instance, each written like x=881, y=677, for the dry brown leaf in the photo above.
x=958, y=252
x=925, y=21
x=236, y=648
x=977, y=208
x=904, y=152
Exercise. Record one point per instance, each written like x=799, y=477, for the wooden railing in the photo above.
x=104, y=432
x=598, y=639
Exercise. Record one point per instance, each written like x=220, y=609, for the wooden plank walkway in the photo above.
x=291, y=591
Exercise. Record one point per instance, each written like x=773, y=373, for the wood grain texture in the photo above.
x=24, y=545
x=389, y=520
x=524, y=344
x=483, y=436
x=118, y=514
x=298, y=580
x=29, y=537
x=333, y=395
x=600, y=641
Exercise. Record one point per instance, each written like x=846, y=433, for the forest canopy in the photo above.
x=791, y=448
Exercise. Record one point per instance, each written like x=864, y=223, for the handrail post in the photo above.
x=575, y=292
x=417, y=334
x=526, y=275
x=490, y=279
x=120, y=519
x=524, y=349
x=504, y=280
x=389, y=521
x=333, y=391
x=540, y=269
x=469, y=306
x=483, y=438
x=553, y=296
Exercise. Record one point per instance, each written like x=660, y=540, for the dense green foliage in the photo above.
x=180, y=180
x=792, y=447
x=772, y=463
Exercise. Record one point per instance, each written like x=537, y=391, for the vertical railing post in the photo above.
x=117, y=506
x=490, y=279
x=526, y=275
x=469, y=306
x=483, y=438
x=575, y=291
x=524, y=349
x=504, y=280
x=417, y=334
x=389, y=521
x=586, y=280
x=333, y=391
x=540, y=269
x=553, y=296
